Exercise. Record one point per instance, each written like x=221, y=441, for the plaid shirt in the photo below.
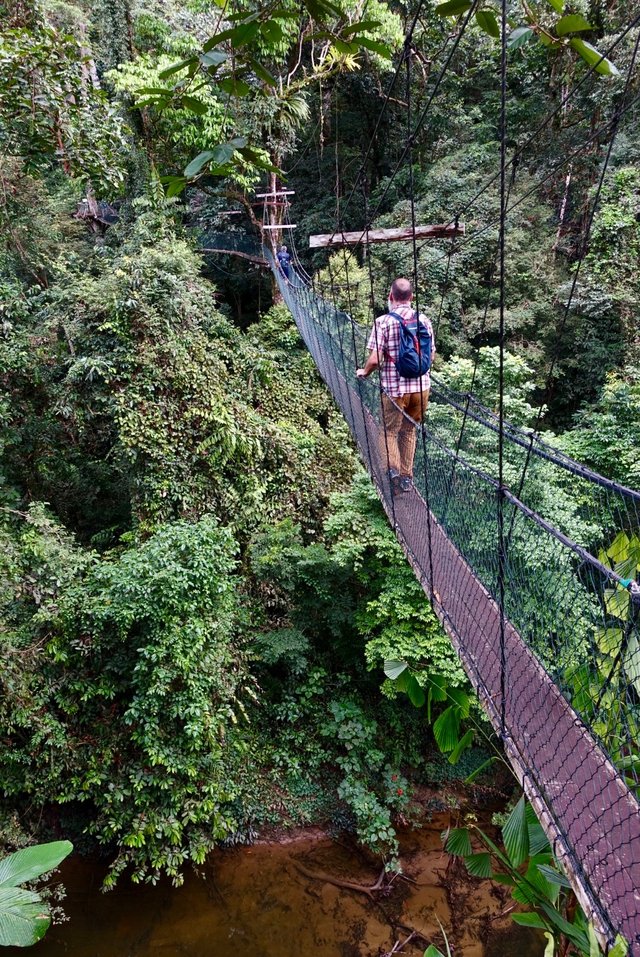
x=385, y=338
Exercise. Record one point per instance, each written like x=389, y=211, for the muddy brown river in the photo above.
x=289, y=899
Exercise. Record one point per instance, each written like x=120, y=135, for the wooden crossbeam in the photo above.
x=277, y=192
x=281, y=226
x=404, y=233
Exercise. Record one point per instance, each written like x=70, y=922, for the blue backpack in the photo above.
x=414, y=355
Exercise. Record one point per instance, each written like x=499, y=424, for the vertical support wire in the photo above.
x=414, y=249
x=354, y=346
x=480, y=334
x=384, y=479
x=450, y=251
x=503, y=220
x=342, y=318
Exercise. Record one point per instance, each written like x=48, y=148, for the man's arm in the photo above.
x=377, y=344
x=373, y=361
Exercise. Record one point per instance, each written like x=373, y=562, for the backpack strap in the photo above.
x=395, y=315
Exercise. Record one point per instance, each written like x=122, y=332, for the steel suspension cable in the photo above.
x=423, y=116
x=394, y=79
x=550, y=116
x=547, y=176
x=583, y=251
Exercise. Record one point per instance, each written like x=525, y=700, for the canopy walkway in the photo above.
x=547, y=633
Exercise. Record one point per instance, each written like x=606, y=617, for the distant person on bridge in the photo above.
x=284, y=261
x=404, y=399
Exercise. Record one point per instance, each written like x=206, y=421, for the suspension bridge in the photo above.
x=527, y=632
x=529, y=559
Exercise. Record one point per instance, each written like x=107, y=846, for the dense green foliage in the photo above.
x=198, y=586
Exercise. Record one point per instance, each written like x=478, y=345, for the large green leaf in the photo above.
x=244, y=33
x=535, y=885
x=216, y=157
x=619, y=547
x=272, y=31
x=16, y=900
x=363, y=26
x=631, y=661
x=438, y=687
x=347, y=49
x=519, y=37
x=572, y=931
x=216, y=39
x=478, y=771
x=30, y=862
x=608, y=640
x=465, y=742
x=461, y=699
x=529, y=919
x=627, y=567
x=177, y=67
x=591, y=56
x=20, y=930
x=174, y=185
x=375, y=46
x=415, y=693
x=234, y=86
x=515, y=834
x=616, y=601
x=258, y=158
x=634, y=550
x=573, y=23
x=432, y=951
x=23, y=915
x=538, y=840
x=213, y=58
x=486, y=20
x=197, y=164
x=446, y=728
x=459, y=842
x=194, y=106
x=452, y=8
x=553, y=876
x=320, y=10
x=479, y=865
x=393, y=669
x=262, y=73
x=620, y=947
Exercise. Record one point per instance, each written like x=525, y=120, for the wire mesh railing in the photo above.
x=561, y=682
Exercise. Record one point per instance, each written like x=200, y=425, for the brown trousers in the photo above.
x=398, y=435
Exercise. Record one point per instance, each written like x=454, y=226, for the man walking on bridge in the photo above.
x=404, y=398
x=284, y=261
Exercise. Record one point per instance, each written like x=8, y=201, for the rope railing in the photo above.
x=559, y=676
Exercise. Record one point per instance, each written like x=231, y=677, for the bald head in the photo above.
x=401, y=290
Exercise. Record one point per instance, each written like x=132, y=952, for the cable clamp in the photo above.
x=633, y=587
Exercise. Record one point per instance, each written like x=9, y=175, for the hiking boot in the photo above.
x=406, y=483
x=394, y=481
